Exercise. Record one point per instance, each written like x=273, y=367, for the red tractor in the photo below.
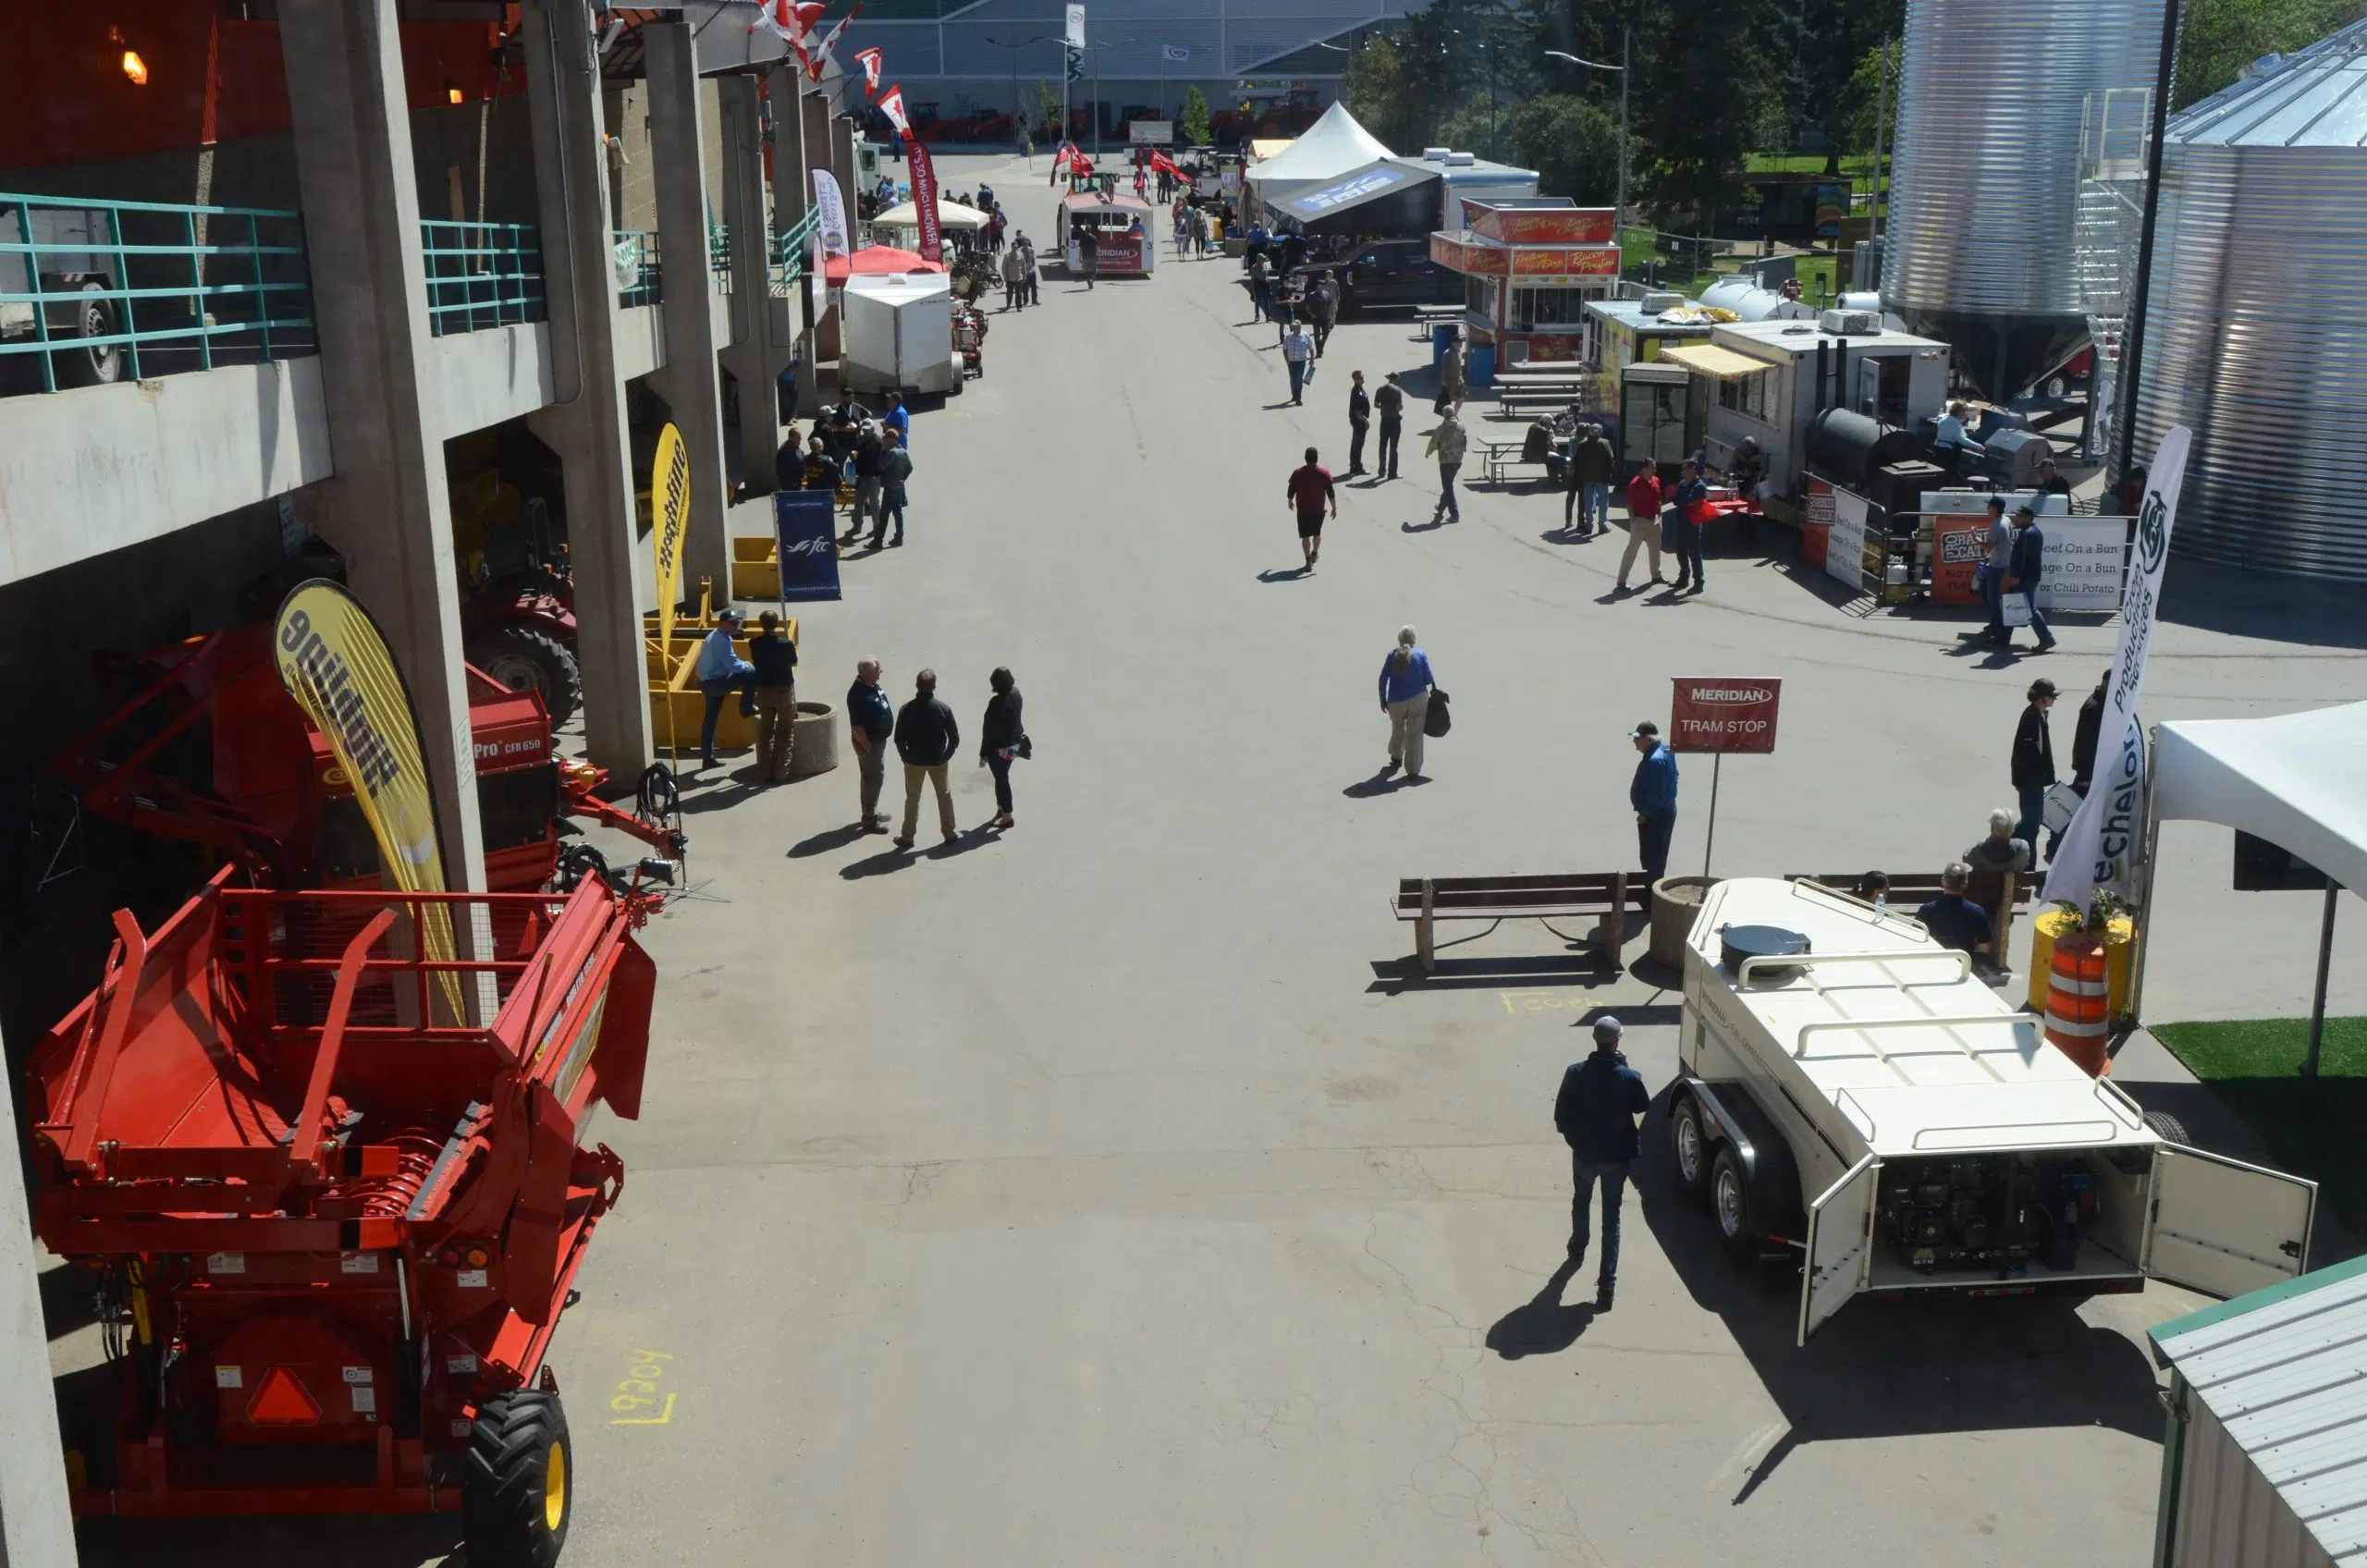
x=336, y=1195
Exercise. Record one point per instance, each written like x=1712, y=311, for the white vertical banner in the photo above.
x=833, y=208
x=1076, y=34
x=2107, y=835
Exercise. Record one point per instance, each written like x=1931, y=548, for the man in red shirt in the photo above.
x=1643, y=522
x=1310, y=493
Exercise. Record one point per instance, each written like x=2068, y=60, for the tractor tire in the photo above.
x=527, y=660
x=517, y=1491
x=1689, y=1146
x=94, y=316
x=1730, y=1204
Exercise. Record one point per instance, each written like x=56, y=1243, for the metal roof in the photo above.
x=2285, y=1371
x=2314, y=98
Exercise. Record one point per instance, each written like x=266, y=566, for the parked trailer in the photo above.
x=58, y=285
x=1848, y=1091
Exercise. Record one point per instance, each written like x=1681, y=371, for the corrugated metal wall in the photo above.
x=2228, y=1516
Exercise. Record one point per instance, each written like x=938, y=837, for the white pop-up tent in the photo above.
x=2298, y=780
x=1326, y=153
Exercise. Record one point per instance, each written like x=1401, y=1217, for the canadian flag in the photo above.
x=1060, y=162
x=790, y=19
x=891, y=104
x=869, y=59
x=818, y=60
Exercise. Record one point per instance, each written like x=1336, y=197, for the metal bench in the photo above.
x=2001, y=894
x=1609, y=896
x=1428, y=316
x=1497, y=457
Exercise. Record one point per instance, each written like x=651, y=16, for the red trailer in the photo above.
x=336, y=1195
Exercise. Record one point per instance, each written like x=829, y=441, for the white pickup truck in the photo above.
x=1848, y=1089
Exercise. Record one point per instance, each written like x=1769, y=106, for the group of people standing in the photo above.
x=926, y=738
x=1021, y=283
x=1197, y=231
x=849, y=450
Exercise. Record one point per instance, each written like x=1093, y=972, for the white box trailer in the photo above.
x=1853, y=1093
x=898, y=334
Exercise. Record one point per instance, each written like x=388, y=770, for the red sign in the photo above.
x=1485, y=258
x=1540, y=226
x=1958, y=547
x=1724, y=715
x=932, y=243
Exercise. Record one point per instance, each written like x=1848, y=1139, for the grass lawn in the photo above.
x=2315, y=1130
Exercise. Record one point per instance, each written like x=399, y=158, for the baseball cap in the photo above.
x=1645, y=728
x=2042, y=687
x=1607, y=1031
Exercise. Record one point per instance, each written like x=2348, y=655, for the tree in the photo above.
x=1703, y=87
x=1198, y=130
x=1047, y=111
x=1572, y=144
x=1814, y=50
x=2218, y=37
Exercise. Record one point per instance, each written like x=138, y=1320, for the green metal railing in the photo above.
x=90, y=290
x=481, y=275
x=789, y=248
x=639, y=281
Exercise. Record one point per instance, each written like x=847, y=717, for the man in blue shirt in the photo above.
x=1653, y=794
x=1953, y=919
x=871, y=720
x=1597, y=1114
x=1691, y=492
x=720, y=668
x=898, y=419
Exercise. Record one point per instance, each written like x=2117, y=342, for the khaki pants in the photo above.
x=1643, y=532
x=775, y=731
x=873, y=761
x=1406, y=717
x=914, y=774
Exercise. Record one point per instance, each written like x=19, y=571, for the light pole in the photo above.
x=1018, y=134
x=1619, y=204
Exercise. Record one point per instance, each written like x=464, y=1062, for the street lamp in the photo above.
x=1021, y=136
x=1619, y=215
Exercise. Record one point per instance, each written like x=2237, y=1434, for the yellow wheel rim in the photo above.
x=555, y=1487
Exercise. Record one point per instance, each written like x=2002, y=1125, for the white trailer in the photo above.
x=899, y=334
x=1865, y=1102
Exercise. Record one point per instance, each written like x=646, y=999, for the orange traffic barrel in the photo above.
x=2078, y=1007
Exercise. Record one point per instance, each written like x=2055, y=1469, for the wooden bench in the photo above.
x=1497, y=457
x=2002, y=894
x=1520, y=402
x=1609, y=896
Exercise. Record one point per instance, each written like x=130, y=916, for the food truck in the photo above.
x=1620, y=332
x=1124, y=224
x=1529, y=268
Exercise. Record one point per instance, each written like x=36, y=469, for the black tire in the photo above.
x=1730, y=1204
x=2169, y=1128
x=527, y=660
x=94, y=316
x=517, y=1492
x=575, y=862
x=1689, y=1146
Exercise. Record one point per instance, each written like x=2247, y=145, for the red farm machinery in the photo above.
x=336, y=1193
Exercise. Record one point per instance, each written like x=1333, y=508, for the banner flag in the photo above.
x=819, y=60
x=2104, y=840
x=1075, y=32
x=833, y=208
x=871, y=60
x=804, y=523
x=891, y=104
x=788, y=19
x=669, y=505
x=931, y=242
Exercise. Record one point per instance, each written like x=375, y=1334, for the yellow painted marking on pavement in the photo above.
x=638, y=1390
x=1545, y=1002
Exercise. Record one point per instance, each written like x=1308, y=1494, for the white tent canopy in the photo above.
x=1329, y=150
x=2298, y=780
x=949, y=215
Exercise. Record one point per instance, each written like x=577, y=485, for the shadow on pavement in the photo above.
x=823, y=843
x=1392, y=976
x=1542, y=1325
x=1285, y=574
x=1885, y=1369
x=1386, y=782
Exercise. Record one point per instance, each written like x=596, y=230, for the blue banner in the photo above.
x=803, y=522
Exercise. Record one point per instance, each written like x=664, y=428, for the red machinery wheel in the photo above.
x=517, y=1494
x=526, y=660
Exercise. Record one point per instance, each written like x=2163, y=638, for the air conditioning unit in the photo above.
x=1843, y=323
x=1435, y=154
x=1462, y=160
x=1655, y=303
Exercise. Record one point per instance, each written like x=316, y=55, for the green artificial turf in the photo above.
x=2318, y=1130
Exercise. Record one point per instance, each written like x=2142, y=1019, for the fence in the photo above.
x=639, y=280
x=90, y=290
x=481, y=275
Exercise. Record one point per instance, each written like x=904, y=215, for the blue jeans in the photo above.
x=999, y=765
x=716, y=692
x=891, y=504
x=1448, y=505
x=2038, y=622
x=2033, y=803
x=1594, y=507
x=1583, y=1177
x=1689, y=550
x=1652, y=835
x=1299, y=378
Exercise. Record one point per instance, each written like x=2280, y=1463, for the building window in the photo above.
x=1480, y=297
x=1750, y=395
x=1543, y=310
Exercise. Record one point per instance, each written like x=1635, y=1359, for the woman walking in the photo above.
x=1405, y=683
x=1002, y=738
x=1449, y=442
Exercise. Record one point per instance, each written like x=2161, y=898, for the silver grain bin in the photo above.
x=2256, y=320
x=1978, y=246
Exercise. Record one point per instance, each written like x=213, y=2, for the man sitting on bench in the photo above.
x=1953, y=919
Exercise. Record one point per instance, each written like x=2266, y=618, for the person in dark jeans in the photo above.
x=775, y=657
x=1598, y=1113
x=2022, y=576
x=1690, y=493
x=1002, y=738
x=1653, y=794
x=1389, y=404
x=721, y=671
x=1359, y=420
x=2033, y=764
x=871, y=720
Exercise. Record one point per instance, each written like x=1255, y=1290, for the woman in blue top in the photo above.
x=1406, y=685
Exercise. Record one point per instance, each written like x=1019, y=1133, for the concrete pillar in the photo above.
x=386, y=509
x=842, y=159
x=754, y=359
x=792, y=198
x=36, y=1521
x=585, y=423
x=692, y=382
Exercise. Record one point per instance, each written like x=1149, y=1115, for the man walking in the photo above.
x=926, y=738
x=1389, y=403
x=2022, y=570
x=1450, y=376
x=2033, y=764
x=1297, y=349
x=1599, y=1114
x=774, y=657
x=1643, y=522
x=1359, y=419
x=1310, y=493
x=1652, y=793
x=1589, y=498
x=1690, y=493
x=1323, y=305
x=720, y=668
x=1992, y=572
x=1261, y=287
x=871, y=719
x=1088, y=254
x=1450, y=441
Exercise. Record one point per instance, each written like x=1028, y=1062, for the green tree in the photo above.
x=1702, y=90
x=1814, y=49
x=1572, y=144
x=1867, y=115
x=1198, y=129
x=1048, y=112
x=2218, y=37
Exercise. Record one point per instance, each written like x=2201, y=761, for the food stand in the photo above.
x=1624, y=332
x=1124, y=225
x=1529, y=269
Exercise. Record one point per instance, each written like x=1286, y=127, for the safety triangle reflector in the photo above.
x=281, y=1401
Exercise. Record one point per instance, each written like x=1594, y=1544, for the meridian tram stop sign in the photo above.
x=1718, y=715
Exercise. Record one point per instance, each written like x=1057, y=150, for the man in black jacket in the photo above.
x=775, y=657
x=926, y=738
x=2033, y=763
x=1597, y=1113
x=2084, y=736
x=2024, y=567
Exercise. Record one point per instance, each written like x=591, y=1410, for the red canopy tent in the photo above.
x=874, y=261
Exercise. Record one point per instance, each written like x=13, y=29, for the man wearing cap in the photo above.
x=2027, y=560
x=1598, y=1113
x=720, y=668
x=1653, y=794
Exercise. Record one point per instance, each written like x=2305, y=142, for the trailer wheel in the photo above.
x=1730, y=1204
x=1689, y=1146
x=516, y=1494
x=2167, y=1127
x=527, y=660
x=93, y=317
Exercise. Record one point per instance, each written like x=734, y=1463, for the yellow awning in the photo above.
x=1724, y=363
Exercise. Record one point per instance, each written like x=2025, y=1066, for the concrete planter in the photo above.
x=1676, y=901
x=815, y=748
